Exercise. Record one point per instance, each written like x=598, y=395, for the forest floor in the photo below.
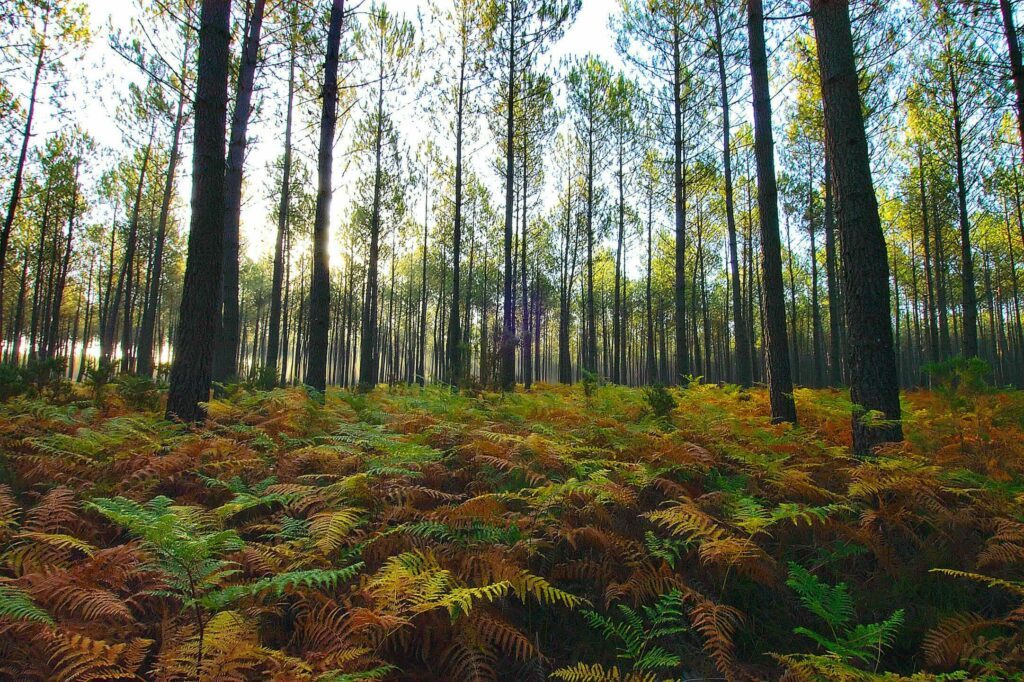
x=417, y=534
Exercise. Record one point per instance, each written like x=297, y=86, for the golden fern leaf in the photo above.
x=460, y=601
x=544, y=592
x=330, y=529
x=688, y=521
x=77, y=658
x=581, y=672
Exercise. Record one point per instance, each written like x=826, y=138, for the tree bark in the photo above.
x=225, y=359
x=320, y=286
x=19, y=171
x=1016, y=67
x=507, y=344
x=742, y=349
x=200, y=300
x=780, y=383
x=284, y=207
x=870, y=353
x=682, y=370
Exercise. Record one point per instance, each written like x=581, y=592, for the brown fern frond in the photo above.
x=944, y=645
x=77, y=658
x=717, y=624
x=500, y=634
x=56, y=512
x=467, y=661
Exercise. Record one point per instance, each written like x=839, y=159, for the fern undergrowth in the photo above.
x=592, y=533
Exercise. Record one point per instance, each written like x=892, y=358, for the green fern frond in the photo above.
x=18, y=605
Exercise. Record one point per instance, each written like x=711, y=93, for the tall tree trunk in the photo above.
x=618, y=335
x=284, y=207
x=320, y=287
x=780, y=383
x=148, y=324
x=970, y=305
x=58, y=296
x=742, y=350
x=200, y=299
x=871, y=357
x=421, y=361
x=682, y=370
x=835, y=299
x=590, y=354
x=1016, y=67
x=933, y=334
x=507, y=345
x=369, y=358
x=19, y=311
x=527, y=335
x=225, y=358
x=33, y=349
x=816, y=330
x=652, y=367
x=125, y=285
x=455, y=347
x=19, y=170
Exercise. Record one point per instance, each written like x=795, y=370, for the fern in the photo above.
x=635, y=635
x=18, y=605
x=277, y=585
x=833, y=604
x=581, y=672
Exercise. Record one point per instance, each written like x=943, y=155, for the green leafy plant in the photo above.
x=590, y=382
x=846, y=642
x=636, y=635
x=660, y=400
x=98, y=377
x=12, y=382
x=138, y=392
x=46, y=377
x=188, y=547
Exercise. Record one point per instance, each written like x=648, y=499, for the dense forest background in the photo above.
x=582, y=153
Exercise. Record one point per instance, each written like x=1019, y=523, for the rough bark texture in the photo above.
x=682, y=355
x=225, y=361
x=320, y=287
x=456, y=350
x=780, y=382
x=200, y=300
x=19, y=171
x=1016, y=68
x=870, y=355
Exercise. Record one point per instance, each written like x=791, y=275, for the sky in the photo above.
x=93, y=103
